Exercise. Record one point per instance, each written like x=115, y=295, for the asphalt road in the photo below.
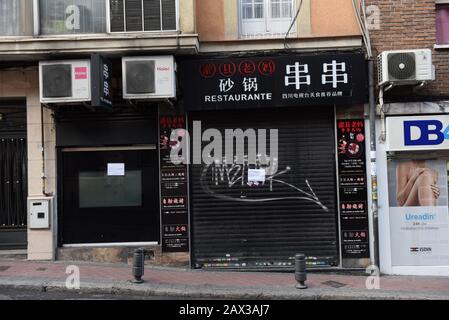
x=17, y=294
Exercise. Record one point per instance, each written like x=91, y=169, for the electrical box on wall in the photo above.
x=39, y=212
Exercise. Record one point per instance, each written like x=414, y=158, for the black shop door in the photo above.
x=110, y=197
x=13, y=175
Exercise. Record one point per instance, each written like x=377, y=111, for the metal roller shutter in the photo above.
x=265, y=226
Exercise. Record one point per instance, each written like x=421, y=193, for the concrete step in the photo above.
x=121, y=254
x=104, y=254
x=13, y=255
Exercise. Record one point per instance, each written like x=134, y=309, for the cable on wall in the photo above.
x=292, y=24
x=362, y=22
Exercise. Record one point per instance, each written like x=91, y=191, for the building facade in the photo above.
x=288, y=70
x=34, y=31
x=412, y=157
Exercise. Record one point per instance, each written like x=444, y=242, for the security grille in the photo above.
x=13, y=183
x=143, y=15
x=13, y=175
x=239, y=224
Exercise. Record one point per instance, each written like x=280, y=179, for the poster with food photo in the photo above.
x=353, y=191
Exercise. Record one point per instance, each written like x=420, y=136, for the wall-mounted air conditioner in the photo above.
x=65, y=81
x=405, y=67
x=149, y=77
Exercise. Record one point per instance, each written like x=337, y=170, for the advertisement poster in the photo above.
x=353, y=190
x=417, y=133
x=174, y=191
x=419, y=217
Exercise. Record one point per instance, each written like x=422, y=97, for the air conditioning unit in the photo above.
x=405, y=67
x=65, y=81
x=149, y=77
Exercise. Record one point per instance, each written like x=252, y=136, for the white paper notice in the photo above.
x=116, y=169
x=256, y=175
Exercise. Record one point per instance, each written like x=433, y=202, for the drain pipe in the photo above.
x=383, y=133
x=44, y=176
x=360, y=13
x=374, y=194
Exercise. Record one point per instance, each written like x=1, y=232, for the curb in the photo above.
x=210, y=292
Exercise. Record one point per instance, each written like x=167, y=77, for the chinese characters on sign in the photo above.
x=174, y=196
x=101, y=81
x=353, y=189
x=276, y=81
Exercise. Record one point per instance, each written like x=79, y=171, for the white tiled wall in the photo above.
x=25, y=84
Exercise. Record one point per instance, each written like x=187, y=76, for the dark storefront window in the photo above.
x=110, y=196
x=72, y=16
x=143, y=15
x=98, y=190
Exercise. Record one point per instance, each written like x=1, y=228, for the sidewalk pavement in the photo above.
x=179, y=283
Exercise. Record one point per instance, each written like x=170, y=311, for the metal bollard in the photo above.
x=300, y=271
x=138, y=265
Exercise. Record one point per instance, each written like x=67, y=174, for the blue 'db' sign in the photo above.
x=432, y=133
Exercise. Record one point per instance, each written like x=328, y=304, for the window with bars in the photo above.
x=143, y=15
x=16, y=18
x=72, y=16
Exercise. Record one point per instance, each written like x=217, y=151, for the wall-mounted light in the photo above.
x=1, y=116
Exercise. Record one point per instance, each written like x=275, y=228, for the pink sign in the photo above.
x=80, y=73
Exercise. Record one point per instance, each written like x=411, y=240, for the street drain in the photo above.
x=41, y=269
x=334, y=284
x=4, y=268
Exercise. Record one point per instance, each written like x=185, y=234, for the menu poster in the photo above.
x=174, y=190
x=353, y=189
